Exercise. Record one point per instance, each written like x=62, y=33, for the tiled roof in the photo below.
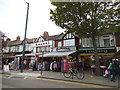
x=15, y=42
x=31, y=40
x=54, y=37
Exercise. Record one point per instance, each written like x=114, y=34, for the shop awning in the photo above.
x=25, y=55
x=30, y=54
x=58, y=54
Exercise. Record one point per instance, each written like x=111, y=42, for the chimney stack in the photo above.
x=46, y=34
x=18, y=38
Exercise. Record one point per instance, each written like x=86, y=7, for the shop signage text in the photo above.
x=63, y=49
x=45, y=43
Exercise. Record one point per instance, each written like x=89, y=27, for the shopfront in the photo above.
x=87, y=54
x=60, y=54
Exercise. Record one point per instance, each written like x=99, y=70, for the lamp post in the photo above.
x=2, y=36
x=42, y=63
x=1, y=39
x=23, y=53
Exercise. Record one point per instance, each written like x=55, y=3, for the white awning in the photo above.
x=58, y=54
x=26, y=54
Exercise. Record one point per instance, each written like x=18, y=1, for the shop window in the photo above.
x=45, y=49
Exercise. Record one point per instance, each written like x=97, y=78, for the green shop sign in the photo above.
x=100, y=50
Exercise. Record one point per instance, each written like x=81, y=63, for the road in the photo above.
x=29, y=82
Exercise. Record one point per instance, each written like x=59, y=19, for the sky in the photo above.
x=13, y=18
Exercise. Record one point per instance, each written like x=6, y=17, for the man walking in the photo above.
x=116, y=70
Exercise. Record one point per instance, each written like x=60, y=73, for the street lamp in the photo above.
x=23, y=53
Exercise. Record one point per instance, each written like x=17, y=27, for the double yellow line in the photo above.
x=69, y=82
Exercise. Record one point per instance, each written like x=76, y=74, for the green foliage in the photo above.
x=115, y=17
x=86, y=18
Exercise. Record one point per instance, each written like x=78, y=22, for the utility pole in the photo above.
x=23, y=53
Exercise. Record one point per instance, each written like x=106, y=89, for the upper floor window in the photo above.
x=69, y=42
x=106, y=40
x=12, y=49
x=59, y=44
x=45, y=49
x=17, y=48
x=87, y=42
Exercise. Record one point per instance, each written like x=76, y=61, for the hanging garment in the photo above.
x=65, y=65
x=43, y=66
x=51, y=65
x=38, y=67
x=55, y=66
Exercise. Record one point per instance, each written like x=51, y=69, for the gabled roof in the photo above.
x=72, y=34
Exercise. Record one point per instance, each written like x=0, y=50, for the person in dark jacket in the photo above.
x=34, y=66
x=116, y=69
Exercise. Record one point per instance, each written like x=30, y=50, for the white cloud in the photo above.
x=13, y=18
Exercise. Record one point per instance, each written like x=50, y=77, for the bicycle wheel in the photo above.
x=67, y=74
x=75, y=72
x=80, y=75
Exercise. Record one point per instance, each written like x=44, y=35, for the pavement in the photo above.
x=89, y=77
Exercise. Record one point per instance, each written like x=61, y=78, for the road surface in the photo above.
x=32, y=82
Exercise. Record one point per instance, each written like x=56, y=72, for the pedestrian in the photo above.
x=6, y=62
x=110, y=67
x=116, y=70
x=102, y=61
x=34, y=66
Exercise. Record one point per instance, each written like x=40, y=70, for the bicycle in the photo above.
x=74, y=72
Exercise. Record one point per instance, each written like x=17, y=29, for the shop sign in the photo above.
x=99, y=51
x=7, y=55
x=45, y=43
x=62, y=49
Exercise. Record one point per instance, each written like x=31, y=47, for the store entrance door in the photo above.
x=87, y=62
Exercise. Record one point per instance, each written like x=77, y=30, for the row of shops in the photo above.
x=61, y=47
x=86, y=55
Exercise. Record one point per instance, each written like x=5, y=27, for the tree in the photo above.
x=85, y=19
x=115, y=18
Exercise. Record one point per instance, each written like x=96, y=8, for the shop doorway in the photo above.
x=86, y=62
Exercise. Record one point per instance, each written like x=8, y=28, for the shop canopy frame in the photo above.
x=59, y=53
